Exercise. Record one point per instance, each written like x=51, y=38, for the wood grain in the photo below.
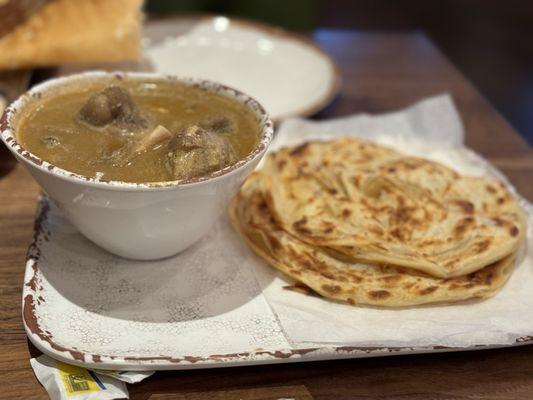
x=486, y=374
x=381, y=72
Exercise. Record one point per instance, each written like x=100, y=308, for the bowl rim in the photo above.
x=8, y=135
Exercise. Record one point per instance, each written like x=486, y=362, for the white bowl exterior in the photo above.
x=142, y=225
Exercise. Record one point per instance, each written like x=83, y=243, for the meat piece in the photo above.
x=112, y=105
x=121, y=152
x=123, y=108
x=122, y=156
x=97, y=111
x=197, y=152
x=219, y=124
x=157, y=136
x=50, y=141
x=116, y=150
x=192, y=138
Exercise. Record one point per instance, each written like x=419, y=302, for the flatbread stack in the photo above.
x=360, y=223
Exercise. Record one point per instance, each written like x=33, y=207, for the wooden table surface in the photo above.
x=382, y=72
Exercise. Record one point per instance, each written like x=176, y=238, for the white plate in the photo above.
x=285, y=72
x=204, y=307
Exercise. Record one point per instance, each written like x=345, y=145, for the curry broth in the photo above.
x=51, y=130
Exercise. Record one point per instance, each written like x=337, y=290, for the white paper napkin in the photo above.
x=431, y=128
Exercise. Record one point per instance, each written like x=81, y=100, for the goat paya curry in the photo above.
x=149, y=131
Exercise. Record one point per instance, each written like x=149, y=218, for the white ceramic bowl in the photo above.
x=138, y=221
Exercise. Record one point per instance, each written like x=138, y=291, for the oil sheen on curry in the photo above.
x=141, y=132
